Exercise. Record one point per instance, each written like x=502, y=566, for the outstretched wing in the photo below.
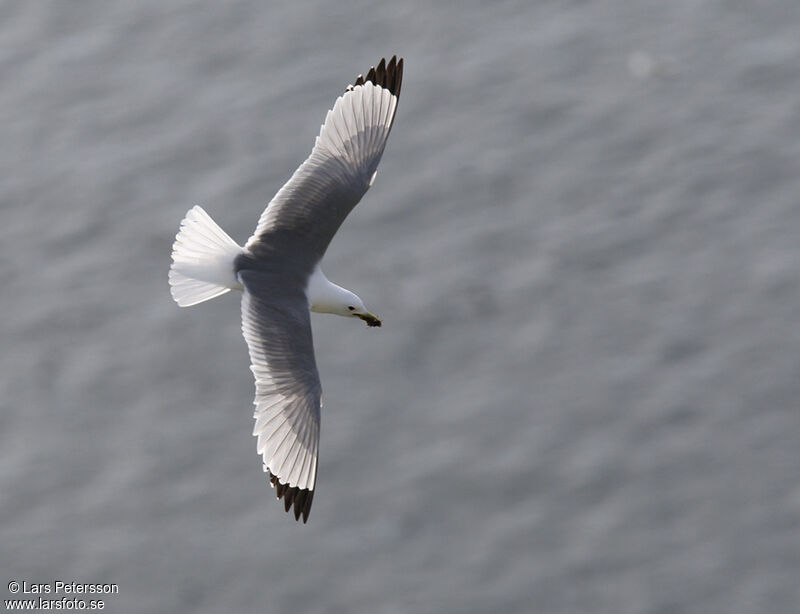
x=325, y=188
x=276, y=326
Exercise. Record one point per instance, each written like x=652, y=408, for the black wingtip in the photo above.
x=300, y=498
x=389, y=76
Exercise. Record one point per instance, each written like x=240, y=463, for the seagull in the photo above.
x=279, y=274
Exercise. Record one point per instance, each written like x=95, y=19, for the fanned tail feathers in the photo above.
x=202, y=260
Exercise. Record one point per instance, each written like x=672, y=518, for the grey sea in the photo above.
x=584, y=243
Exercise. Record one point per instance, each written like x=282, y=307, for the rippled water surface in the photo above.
x=583, y=241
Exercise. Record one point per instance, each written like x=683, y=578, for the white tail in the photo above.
x=202, y=260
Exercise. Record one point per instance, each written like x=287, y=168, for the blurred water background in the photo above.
x=584, y=241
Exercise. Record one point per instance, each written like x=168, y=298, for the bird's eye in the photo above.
x=351, y=308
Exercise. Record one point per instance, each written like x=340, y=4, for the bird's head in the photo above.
x=354, y=308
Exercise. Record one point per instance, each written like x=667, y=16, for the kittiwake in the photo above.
x=278, y=271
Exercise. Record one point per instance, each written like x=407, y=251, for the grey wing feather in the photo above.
x=312, y=205
x=277, y=328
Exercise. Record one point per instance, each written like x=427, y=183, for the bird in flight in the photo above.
x=278, y=271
